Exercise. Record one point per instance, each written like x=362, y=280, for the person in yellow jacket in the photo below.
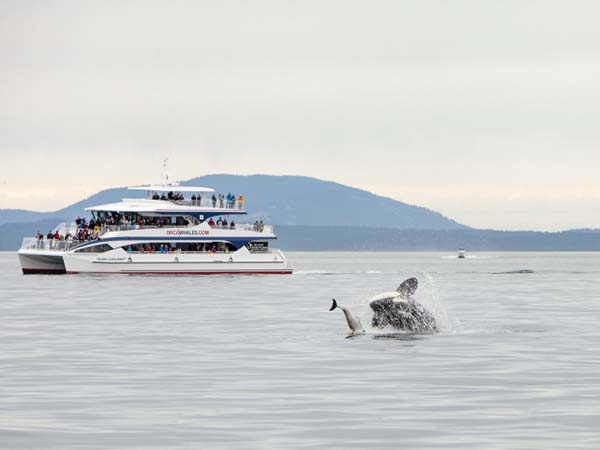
x=241, y=202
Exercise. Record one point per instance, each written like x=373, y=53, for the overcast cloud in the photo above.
x=485, y=111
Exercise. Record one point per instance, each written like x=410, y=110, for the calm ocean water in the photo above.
x=258, y=362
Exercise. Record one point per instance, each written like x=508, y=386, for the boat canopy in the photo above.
x=160, y=207
x=171, y=188
x=141, y=205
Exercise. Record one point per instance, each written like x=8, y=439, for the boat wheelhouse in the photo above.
x=171, y=231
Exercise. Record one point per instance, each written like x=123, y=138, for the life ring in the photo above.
x=129, y=259
x=231, y=259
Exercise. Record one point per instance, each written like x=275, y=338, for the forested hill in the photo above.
x=293, y=200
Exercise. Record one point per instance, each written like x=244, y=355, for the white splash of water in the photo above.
x=333, y=272
x=427, y=296
x=315, y=272
x=466, y=257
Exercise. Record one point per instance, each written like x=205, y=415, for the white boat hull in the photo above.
x=120, y=262
x=39, y=262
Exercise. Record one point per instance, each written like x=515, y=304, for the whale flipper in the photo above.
x=408, y=287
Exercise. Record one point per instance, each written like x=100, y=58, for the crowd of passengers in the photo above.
x=132, y=220
x=208, y=247
x=88, y=231
x=224, y=201
x=222, y=223
x=85, y=231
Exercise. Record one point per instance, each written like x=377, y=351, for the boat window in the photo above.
x=100, y=248
x=258, y=246
x=185, y=247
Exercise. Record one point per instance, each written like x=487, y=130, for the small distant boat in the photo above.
x=461, y=253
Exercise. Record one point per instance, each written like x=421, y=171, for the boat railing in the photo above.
x=237, y=227
x=58, y=245
x=130, y=227
x=33, y=243
x=205, y=202
x=208, y=203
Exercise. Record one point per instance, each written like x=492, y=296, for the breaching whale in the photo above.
x=354, y=324
x=400, y=311
x=397, y=310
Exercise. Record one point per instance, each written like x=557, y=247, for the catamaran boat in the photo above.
x=160, y=234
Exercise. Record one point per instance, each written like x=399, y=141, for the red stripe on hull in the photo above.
x=43, y=271
x=280, y=272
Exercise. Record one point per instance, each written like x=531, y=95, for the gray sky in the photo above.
x=485, y=111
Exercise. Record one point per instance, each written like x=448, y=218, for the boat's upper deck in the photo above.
x=170, y=207
x=173, y=199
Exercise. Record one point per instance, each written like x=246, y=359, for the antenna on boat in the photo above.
x=165, y=175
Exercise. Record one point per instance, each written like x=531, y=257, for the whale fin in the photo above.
x=333, y=305
x=408, y=287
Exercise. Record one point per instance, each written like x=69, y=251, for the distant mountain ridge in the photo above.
x=20, y=215
x=282, y=200
x=312, y=214
x=301, y=238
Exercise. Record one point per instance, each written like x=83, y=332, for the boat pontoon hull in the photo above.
x=40, y=263
x=121, y=262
